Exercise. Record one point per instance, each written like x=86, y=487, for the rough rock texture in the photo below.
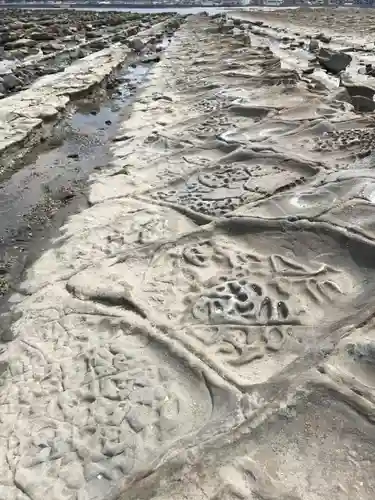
x=205, y=329
x=41, y=43
x=363, y=104
x=23, y=114
x=335, y=62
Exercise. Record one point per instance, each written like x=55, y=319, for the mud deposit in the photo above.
x=204, y=328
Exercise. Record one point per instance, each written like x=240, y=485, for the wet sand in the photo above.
x=204, y=328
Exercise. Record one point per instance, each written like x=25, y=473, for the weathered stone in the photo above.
x=22, y=42
x=341, y=95
x=313, y=45
x=118, y=37
x=16, y=25
x=6, y=332
x=247, y=39
x=8, y=37
x=236, y=32
x=324, y=53
x=136, y=44
x=363, y=104
x=227, y=27
x=151, y=59
x=47, y=48
x=42, y=36
x=334, y=62
x=132, y=30
x=10, y=81
x=92, y=34
x=359, y=90
x=98, y=44
x=323, y=38
x=308, y=71
x=50, y=95
x=204, y=329
x=370, y=70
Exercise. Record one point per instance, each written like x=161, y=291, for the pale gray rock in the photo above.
x=6, y=67
x=42, y=36
x=236, y=32
x=10, y=81
x=341, y=95
x=50, y=94
x=136, y=44
x=226, y=25
x=323, y=38
x=22, y=42
x=313, y=45
x=52, y=47
x=246, y=38
x=97, y=44
x=204, y=329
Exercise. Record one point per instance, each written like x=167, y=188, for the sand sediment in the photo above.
x=204, y=329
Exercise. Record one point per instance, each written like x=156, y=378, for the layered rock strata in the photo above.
x=204, y=330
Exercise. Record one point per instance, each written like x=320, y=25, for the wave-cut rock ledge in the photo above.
x=205, y=329
x=23, y=115
x=26, y=117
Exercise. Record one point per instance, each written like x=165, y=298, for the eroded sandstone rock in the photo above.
x=205, y=328
x=334, y=62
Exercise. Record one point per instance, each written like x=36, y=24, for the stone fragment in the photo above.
x=313, y=45
x=359, y=90
x=10, y=81
x=42, y=36
x=323, y=38
x=136, y=44
x=341, y=95
x=363, y=104
x=334, y=62
x=22, y=42
x=51, y=47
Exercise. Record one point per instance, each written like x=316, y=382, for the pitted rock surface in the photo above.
x=205, y=329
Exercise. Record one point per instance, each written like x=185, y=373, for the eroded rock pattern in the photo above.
x=34, y=44
x=204, y=330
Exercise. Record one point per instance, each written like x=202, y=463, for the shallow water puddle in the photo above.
x=56, y=173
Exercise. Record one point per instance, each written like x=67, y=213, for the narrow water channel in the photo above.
x=36, y=199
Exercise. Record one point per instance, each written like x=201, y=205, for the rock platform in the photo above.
x=204, y=330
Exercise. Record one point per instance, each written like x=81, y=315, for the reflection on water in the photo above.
x=82, y=148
